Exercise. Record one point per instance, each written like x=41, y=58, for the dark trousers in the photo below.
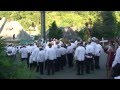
x=57, y=64
x=23, y=59
x=115, y=71
x=92, y=64
x=31, y=66
x=34, y=66
x=64, y=60
x=87, y=64
x=96, y=58
x=41, y=65
x=37, y=68
x=46, y=64
x=80, y=67
x=28, y=60
x=50, y=66
x=70, y=59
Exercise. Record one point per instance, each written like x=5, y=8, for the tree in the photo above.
x=81, y=33
x=54, y=31
x=106, y=27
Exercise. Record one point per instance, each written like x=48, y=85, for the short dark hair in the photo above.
x=50, y=45
x=80, y=43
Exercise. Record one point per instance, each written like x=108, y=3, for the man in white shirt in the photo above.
x=73, y=44
x=14, y=52
x=58, y=53
x=69, y=52
x=98, y=52
x=9, y=50
x=50, y=56
x=24, y=53
x=76, y=41
x=93, y=43
x=63, y=56
x=89, y=57
x=32, y=59
x=41, y=60
x=116, y=64
x=80, y=57
x=29, y=48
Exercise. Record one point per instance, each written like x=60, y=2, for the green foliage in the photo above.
x=2, y=44
x=81, y=33
x=105, y=26
x=106, y=23
x=13, y=69
x=54, y=31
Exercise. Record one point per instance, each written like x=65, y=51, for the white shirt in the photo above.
x=76, y=42
x=94, y=47
x=9, y=50
x=69, y=49
x=73, y=45
x=60, y=43
x=98, y=50
x=117, y=77
x=50, y=54
x=117, y=57
x=63, y=50
x=55, y=46
x=84, y=43
x=34, y=54
x=80, y=53
x=24, y=52
x=29, y=48
x=14, y=51
x=41, y=56
x=89, y=49
x=34, y=47
x=58, y=52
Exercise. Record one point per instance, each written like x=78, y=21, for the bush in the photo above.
x=13, y=69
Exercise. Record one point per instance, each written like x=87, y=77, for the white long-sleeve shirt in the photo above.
x=63, y=50
x=24, y=52
x=29, y=48
x=94, y=47
x=69, y=49
x=34, y=54
x=98, y=50
x=58, y=52
x=73, y=45
x=76, y=42
x=117, y=57
x=50, y=54
x=80, y=53
x=89, y=49
x=41, y=56
x=14, y=51
x=9, y=50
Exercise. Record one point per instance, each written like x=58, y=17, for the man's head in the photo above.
x=40, y=48
x=80, y=44
x=50, y=45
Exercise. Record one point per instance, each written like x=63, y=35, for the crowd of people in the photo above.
x=55, y=54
